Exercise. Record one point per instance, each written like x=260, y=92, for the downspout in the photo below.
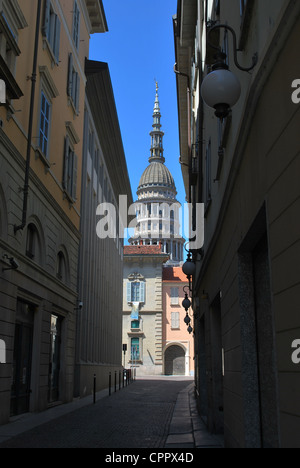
x=189, y=125
x=30, y=123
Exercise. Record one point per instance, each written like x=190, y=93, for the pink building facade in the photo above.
x=178, y=343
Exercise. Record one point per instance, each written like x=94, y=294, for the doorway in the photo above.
x=259, y=376
x=54, y=358
x=22, y=359
x=174, y=360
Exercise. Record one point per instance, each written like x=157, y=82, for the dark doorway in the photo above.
x=22, y=358
x=259, y=375
x=174, y=361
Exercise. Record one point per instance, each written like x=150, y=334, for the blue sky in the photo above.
x=139, y=49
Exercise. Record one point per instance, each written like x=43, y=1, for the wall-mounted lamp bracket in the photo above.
x=220, y=56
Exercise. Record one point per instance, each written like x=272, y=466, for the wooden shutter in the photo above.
x=70, y=75
x=66, y=163
x=56, y=39
x=46, y=22
x=74, y=176
x=128, y=291
x=142, y=291
x=77, y=93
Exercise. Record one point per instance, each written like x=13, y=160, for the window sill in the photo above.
x=40, y=155
x=47, y=46
x=71, y=104
x=68, y=197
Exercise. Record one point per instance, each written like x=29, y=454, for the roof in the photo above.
x=143, y=250
x=174, y=274
x=157, y=174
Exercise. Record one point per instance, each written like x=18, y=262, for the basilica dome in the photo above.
x=156, y=175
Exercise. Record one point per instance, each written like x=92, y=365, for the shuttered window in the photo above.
x=44, y=125
x=136, y=291
x=51, y=29
x=73, y=86
x=175, y=320
x=174, y=296
x=76, y=24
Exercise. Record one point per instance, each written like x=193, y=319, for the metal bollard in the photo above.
x=119, y=380
x=109, y=384
x=115, y=381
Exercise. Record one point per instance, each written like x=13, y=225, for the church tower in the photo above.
x=157, y=210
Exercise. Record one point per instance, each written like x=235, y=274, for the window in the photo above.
x=135, y=324
x=174, y=296
x=76, y=24
x=44, y=124
x=51, y=30
x=73, y=88
x=175, y=320
x=9, y=49
x=135, y=291
x=32, y=238
x=70, y=170
x=61, y=266
x=135, y=349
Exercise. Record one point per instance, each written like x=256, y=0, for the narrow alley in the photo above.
x=151, y=412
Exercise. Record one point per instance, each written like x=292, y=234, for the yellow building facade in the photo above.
x=43, y=46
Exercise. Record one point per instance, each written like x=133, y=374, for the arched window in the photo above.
x=61, y=266
x=32, y=242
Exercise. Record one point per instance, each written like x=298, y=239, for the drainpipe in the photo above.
x=189, y=125
x=29, y=137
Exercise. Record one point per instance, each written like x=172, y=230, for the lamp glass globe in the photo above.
x=189, y=268
x=221, y=87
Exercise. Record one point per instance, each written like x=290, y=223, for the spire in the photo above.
x=157, y=150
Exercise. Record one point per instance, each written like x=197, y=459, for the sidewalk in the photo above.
x=187, y=430
x=25, y=422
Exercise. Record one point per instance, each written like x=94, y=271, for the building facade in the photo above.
x=100, y=269
x=244, y=168
x=178, y=343
x=158, y=213
x=43, y=49
x=156, y=241
x=143, y=308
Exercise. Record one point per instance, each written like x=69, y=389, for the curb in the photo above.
x=187, y=430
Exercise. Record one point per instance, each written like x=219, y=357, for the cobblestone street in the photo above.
x=137, y=416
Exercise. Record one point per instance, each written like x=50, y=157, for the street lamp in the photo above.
x=221, y=89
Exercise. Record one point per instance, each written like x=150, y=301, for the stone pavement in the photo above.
x=187, y=430
x=152, y=412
